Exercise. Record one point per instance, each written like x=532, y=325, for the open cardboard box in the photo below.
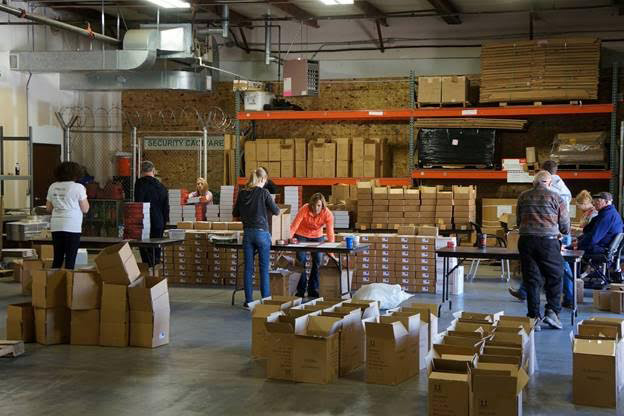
x=317, y=350
x=117, y=264
x=497, y=384
x=450, y=386
x=416, y=353
x=387, y=353
x=428, y=316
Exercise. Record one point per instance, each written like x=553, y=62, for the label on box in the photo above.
x=470, y=112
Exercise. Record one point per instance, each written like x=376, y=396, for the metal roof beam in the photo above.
x=371, y=11
x=447, y=11
x=298, y=13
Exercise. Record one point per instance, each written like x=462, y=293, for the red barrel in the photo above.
x=124, y=164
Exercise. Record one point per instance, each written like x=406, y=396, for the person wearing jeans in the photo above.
x=542, y=215
x=317, y=258
x=253, y=205
x=67, y=202
x=308, y=226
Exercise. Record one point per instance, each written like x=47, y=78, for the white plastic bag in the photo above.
x=390, y=296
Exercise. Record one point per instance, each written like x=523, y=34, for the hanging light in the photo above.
x=171, y=4
x=336, y=2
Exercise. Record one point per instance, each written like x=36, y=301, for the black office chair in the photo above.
x=500, y=242
x=605, y=267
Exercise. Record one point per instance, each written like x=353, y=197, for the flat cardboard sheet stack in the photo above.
x=473, y=123
x=535, y=70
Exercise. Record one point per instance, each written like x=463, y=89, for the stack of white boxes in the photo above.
x=188, y=212
x=226, y=202
x=341, y=219
x=456, y=279
x=212, y=213
x=291, y=197
x=175, y=206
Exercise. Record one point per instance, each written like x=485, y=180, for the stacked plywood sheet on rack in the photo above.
x=551, y=69
x=473, y=123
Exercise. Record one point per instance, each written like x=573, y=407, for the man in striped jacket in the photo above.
x=542, y=216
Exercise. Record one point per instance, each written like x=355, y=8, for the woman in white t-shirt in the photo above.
x=202, y=190
x=67, y=201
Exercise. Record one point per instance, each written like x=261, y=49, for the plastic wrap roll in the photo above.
x=456, y=147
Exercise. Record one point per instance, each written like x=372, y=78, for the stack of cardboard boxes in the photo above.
x=364, y=204
x=226, y=203
x=177, y=198
x=611, y=299
x=493, y=209
x=189, y=263
x=117, y=305
x=320, y=158
x=406, y=260
x=443, y=90
x=137, y=220
x=428, y=204
x=481, y=364
x=464, y=209
x=597, y=357
x=444, y=209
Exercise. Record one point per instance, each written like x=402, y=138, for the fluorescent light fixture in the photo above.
x=171, y=4
x=336, y=2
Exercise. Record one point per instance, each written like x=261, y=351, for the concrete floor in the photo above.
x=206, y=369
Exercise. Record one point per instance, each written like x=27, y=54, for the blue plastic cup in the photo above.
x=349, y=242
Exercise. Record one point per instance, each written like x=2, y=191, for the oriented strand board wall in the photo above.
x=179, y=169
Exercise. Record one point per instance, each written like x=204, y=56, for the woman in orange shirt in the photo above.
x=308, y=226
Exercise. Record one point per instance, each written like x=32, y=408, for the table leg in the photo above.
x=236, y=288
x=153, y=260
x=574, y=307
x=444, y=270
x=348, y=275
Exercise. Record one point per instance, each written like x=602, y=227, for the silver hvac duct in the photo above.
x=225, y=24
x=135, y=80
x=23, y=14
x=267, y=40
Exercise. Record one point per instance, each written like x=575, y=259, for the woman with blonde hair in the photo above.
x=584, y=202
x=253, y=206
x=202, y=190
x=308, y=226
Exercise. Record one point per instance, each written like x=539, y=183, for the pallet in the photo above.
x=538, y=103
x=583, y=166
x=463, y=104
x=11, y=348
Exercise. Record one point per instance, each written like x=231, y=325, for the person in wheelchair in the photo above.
x=598, y=234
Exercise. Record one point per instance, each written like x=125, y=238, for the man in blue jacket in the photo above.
x=598, y=234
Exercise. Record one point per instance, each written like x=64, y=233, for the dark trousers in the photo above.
x=65, y=249
x=542, y=266
x=147, y=254
x=313, y=282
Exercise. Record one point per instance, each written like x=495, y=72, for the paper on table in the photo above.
x=330, y=245
x=310, y=244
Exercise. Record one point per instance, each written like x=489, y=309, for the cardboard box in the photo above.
x=387, y=353
x=24, y=271
x=262, y=150
x=117, y=265
x=330, y=283
x=149, y=313
x=411, y=321
x=343, y=149
x=261, y=314
x=497, y=385
x=300, y=149
x=20, y=322
x=287, y=169
x=250, y=151
x=281, y=340
x=352, y=336
x=52, y=325
x=450, y=386
x=274, y=168
x=316, y=351
x=300, y=169
x=531, y=156
x=115, y=315
x=328, y=169
x=455, y=89
x=49, y=289
x=85, y=327
x=274, y=149
x=596, y=368
x=83, y=290
x=343, y=169
x=429, y=90
x=602, y=300
x=428, y=315
x=287, y=152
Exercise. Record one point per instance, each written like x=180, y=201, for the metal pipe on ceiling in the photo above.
x=23, y=14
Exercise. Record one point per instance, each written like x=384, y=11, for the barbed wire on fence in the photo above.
x=215, y=119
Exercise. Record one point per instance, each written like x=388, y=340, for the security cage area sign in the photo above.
x=181, y=143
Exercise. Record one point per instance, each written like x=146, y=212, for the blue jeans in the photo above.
x=256, y=241
x=312, y=283
x=568, y=287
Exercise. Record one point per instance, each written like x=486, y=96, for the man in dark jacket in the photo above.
x=602, y=229
x=542, y=216
x=149, y=189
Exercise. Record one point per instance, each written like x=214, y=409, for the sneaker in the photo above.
x=300, y=295
x=538, y=324
x=313, y=295
x=516, y=294
x=552, y=320
x=246, y=306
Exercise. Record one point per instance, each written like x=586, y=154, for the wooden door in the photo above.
x=45, y=158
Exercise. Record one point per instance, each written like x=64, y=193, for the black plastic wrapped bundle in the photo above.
x=456, y=147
